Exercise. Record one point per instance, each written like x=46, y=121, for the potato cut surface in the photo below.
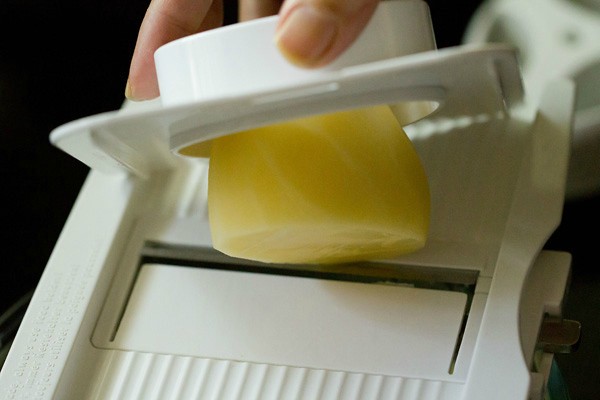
x=329, y=188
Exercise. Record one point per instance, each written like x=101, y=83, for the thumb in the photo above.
x=312, y=33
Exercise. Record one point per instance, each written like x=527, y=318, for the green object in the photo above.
x=557, y=387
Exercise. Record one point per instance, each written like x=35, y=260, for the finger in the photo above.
x=165, y=20
x=312, y=33
x=251, y=9
x=213, y=18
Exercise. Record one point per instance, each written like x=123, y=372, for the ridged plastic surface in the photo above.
x=146, y=376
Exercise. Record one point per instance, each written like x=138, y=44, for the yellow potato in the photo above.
x=325, y=189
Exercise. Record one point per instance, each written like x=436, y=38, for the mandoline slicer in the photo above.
x=135, y=304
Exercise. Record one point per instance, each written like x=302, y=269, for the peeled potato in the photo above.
x=325, y=189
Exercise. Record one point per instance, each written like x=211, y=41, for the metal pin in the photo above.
x=559, y=335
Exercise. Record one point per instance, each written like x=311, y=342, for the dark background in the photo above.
x=64, y=60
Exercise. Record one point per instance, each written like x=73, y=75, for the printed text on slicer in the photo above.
x=325, y=189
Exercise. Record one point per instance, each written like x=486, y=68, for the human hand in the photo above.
x=310, y=33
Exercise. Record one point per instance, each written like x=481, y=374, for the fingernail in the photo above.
x=306, y=35
x=128, y=91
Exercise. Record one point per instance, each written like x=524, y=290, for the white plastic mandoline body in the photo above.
x=101, y=327
x=563, y=34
